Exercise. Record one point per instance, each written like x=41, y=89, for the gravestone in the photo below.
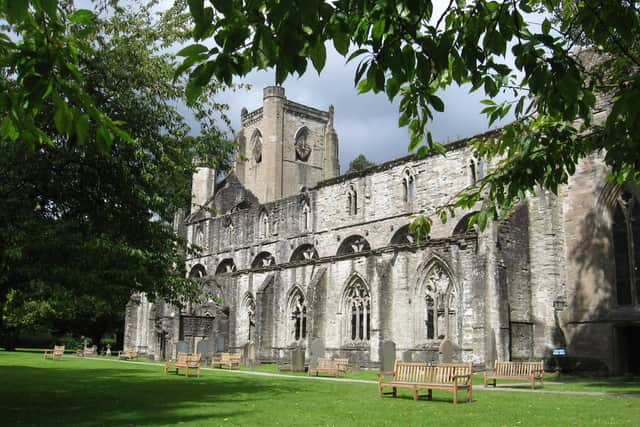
x=445, y=352
x=205, y=348
x=317, y=350
x=297, y=359
x=388, y=355
x=219, y=344
x=249, y=355
x=182, y=347
x=407, y=356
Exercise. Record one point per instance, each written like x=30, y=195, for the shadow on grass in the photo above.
x=74, y=395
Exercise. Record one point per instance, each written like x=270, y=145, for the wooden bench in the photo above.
x=128, y=354
x=88, y=351
x=330, y=366
x=184, y=361
x=227, y=359
x=56, y=352
x=418, y=376
x=528, y=371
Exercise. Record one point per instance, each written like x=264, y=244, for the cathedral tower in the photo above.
x=284, y=147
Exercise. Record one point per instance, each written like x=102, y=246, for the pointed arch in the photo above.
x=263, y=259
x=302, y=145
x=356, y=306
x=353, y=244
x=264, y=226
x=247, y=316
x=408, y=185
x=297, y=313
x=256, y=145
x=438, y=306
x=352, y=200
x=305, y=214
x=626, y=245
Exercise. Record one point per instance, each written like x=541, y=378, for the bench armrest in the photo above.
x=467, y=376
x=382, y=374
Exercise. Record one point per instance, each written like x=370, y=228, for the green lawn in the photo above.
x=89, y=392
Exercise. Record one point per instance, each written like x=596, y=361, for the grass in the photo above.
x=94, y=392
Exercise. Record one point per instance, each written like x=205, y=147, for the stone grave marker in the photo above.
x=388, y=355
x=249, y=355
x=317, y=350
x=445, y=352
x=182, y=347
x=297, y=359
x=219, y=344
x=407, y=356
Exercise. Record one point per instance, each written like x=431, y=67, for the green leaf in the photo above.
x=341, y=42
x=224, y=6
x=104, y=138
x=17, y=10
x=82, y=17
x=8, y=129
x=393, y=86
x=192, y=50
x=546, y=26
x=50, y=6
x=82, y=129
x=437, y=103
x=318, y=55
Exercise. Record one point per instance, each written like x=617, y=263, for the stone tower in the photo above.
x=284, y=147
x=202, y=186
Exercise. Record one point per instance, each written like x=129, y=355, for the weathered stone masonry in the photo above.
x=293, y=251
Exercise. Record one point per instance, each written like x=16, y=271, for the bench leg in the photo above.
x=430, y=394
x=455, y=394
x=395, y=391
x=470, y=394
x=415, y=393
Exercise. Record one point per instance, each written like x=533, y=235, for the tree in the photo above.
x=405, y=49
x=359, y=163
x=84, y=224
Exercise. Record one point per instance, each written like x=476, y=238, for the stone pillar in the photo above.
x=331, y=164
x=273, y=129
x=202, y=187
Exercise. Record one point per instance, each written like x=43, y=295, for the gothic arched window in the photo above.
x=302, y=145
x=263, y=225
x=440, y=304
x=305, y=217
x=352, y=201
x=298, y=315
x=358, y=311
x=249, y=315
x=199, y=237
x=256, y=146
x=626, y=243
x=408, y=186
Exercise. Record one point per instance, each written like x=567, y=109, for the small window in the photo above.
x=305, y=217
x=298, y=310
x=408, y=186
x=352, y=201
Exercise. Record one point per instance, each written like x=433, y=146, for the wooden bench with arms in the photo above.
x=184, y=361
x=529, y=371
x=56, y=352
x=330, y=366
x=418, y=376
x=227, y=359
x=88, y=351
x=128, y=354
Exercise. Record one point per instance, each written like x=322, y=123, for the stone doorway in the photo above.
x=628, y=350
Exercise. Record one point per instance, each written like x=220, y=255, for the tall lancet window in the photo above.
x=440, y=305
x=408, y=186
x=305, y=217
x=298, y=313
x=358, y=311
x=626, y=243
x=352, y=201
x=263, y=225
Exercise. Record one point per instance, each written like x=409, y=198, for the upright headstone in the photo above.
x=388, y=355
x=407, y=356
x=317, y=350
x=297, y=359
x=182, y=347
x=203, y=348
x=445, y=352
x=251, y=355
x=219, y=343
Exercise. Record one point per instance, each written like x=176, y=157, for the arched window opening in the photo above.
x=298, y=313
x=626, y=244
x=263, y=225
x=303, y=253
x=440, y=305
x=197, y=272
x=305, y=217
x=249, y=314
x=263, y=259
x=226, y=266
x=358, y=309
x=229, y=231
x=462, y=227
x=352, y=201
x=302, y=145
x=256, y=146
x=402, y=236
x=353, y=245
x=472, y=171
x=199, y=237
x=408, y=186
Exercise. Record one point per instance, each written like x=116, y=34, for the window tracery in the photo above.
x=626, y=243
x=358, y=310
x=440, y=302
x=298, y=315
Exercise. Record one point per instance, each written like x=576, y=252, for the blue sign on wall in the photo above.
x=559, y=352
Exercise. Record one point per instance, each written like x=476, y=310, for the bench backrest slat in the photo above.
x=514, y=369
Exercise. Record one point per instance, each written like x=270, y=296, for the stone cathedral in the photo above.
x=292, y=251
